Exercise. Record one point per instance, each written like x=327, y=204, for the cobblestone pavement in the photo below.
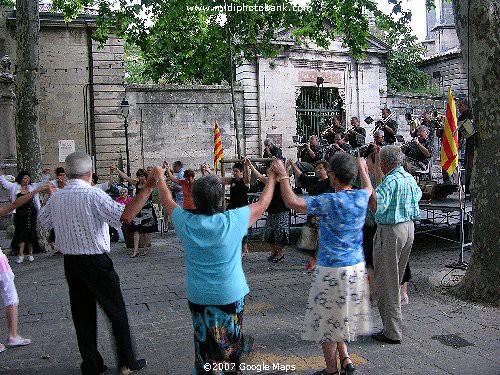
x=442, y=335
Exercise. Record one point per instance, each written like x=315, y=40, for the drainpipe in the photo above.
x=91, y=92
x=257, y=80
x=356, y=65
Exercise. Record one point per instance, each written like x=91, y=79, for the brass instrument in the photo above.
x=438, y=116
x=414, y=124
x=327, y=131
x=299, y=145
x=380, y=124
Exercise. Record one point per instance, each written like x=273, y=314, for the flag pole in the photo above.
x=450, y=160
x=461, y=264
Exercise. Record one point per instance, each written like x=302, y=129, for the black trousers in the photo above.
x=91, y=279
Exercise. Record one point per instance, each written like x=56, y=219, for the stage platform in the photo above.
x=442, y=213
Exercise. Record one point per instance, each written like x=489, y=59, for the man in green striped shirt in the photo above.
x=395, y=203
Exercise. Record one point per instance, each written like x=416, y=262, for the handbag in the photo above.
x=308, y=239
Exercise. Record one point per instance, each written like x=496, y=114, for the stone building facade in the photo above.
x=272, y=86
x=443, y=61
x=79, y=84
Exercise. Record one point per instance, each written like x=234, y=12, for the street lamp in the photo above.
x=125, y=109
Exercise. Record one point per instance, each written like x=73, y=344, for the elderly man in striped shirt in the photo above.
x=80, y=215
x=395, y=203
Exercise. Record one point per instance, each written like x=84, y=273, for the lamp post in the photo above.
x=125, y=110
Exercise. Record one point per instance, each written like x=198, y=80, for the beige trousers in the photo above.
x=391, y=250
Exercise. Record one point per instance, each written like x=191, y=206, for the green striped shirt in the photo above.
x=397, y=198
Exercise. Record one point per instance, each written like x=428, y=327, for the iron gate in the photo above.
x=314, y=110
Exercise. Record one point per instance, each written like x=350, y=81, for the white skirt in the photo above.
x=338, y=308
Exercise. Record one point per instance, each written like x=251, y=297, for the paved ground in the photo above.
x=443, y=335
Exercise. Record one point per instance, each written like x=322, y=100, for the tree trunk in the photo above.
x=478, y=30
x=27, y=88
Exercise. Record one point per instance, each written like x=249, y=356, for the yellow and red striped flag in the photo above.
x=449, y=145
x=218, y=149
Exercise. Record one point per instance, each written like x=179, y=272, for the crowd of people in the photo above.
x=363, y=208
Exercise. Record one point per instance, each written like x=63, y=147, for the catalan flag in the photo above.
x=449, y=145
x=218, y=150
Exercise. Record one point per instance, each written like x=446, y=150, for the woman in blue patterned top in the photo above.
x=338, y=307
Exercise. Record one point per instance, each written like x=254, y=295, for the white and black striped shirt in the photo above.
x=80, y=215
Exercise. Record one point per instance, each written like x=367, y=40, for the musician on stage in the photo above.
x=419, y=150
x=388, y=125
x=431, y=124
x=271, y=150
x=335, y=128
x=356, y=134
x=308, y=154
x=339, y=145
x=466, y=114
x=378, y=138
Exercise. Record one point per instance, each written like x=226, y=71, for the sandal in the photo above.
x=271, y=257
x=278, y=259
x=347, y=369
x=134, y=255
x=144, y=253
x=2, y=348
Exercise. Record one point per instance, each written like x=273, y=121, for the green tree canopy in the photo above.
x=187, y=41
x=403, y=73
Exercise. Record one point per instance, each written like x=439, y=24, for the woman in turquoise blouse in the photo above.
x=215, y=283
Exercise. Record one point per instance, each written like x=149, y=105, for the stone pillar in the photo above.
x=7, y=133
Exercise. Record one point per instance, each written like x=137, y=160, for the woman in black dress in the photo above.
x=314, y=185
x=25, y=234
x=239, y=185
x=277, y=227
x=145, y=222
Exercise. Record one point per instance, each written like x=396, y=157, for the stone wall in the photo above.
x=398, y=103
x=173, y=122
x=447, y=70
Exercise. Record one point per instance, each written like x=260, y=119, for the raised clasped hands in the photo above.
x=278, y=167
x=46, y=188
x=361, y=163
x=247, y=161
x=156, y=175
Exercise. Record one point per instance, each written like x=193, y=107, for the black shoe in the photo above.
x=278, y=259
x=297, y=190
x=347, y=369
x=383, y=338
x=136, y=366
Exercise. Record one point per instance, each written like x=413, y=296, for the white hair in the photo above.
x=424, y=128
x=78, y=164
x=392, y=155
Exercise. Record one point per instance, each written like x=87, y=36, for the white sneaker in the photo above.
x=405, y=300
x=19, y=259
x=31, y=258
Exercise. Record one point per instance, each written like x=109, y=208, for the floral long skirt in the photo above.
x=218, y=337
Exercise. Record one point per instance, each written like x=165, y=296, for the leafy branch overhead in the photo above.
x=186, y=41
